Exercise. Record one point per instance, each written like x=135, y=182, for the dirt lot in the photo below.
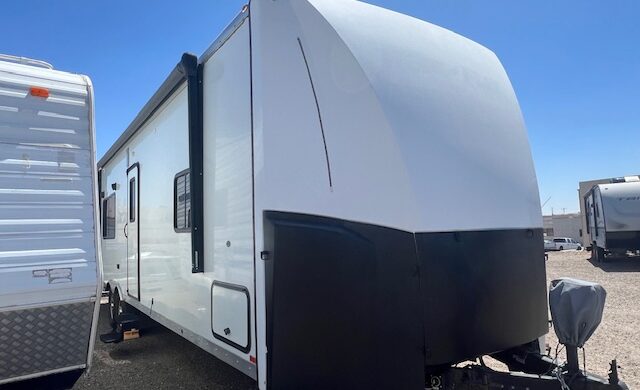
x=618, y=336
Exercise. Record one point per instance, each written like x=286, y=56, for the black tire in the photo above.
x=561, y=248
x=116, y=306
x=601, y=255
x=579, y=248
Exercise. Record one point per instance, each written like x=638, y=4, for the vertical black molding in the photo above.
x=315, y=97
x=100, y=194
x=193, y=73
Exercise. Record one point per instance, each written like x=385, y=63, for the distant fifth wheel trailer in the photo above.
x=333, y=195
x=613, y=217
x=50, y=280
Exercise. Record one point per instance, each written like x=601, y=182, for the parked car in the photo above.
x=549, y=245
x=562, y=243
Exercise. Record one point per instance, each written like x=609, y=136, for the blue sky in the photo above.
x=575, y=66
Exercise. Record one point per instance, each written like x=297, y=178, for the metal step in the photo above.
x=126, y=323
x=113, y=337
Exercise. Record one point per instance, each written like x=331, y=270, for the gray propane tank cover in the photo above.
x=576, y=309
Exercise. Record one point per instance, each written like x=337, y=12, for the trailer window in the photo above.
x=109, y=217
x=132, y=200
x=182, y=202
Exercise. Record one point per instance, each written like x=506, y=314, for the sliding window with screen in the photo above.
x=182, y=202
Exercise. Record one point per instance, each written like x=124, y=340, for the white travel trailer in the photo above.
x=322, y=197
x=613, y=217
x=50, y=280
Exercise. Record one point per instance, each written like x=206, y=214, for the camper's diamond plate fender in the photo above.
x=44, y=338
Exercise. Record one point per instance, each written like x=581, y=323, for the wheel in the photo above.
x=601, y=255
x=116, y=307
x=579, y=248
x=561, y=248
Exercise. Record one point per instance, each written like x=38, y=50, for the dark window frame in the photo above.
x=132, y=199
x=105, y=211
x=187, y=227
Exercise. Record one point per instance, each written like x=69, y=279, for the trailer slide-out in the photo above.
x=50, y=281
x=333, y=195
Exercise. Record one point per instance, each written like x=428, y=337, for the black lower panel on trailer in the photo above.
x=482, y=291
x=623, y=240
x=352, y=305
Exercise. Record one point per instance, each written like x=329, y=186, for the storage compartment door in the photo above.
x=230, y=314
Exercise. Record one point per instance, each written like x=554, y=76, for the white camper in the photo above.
x=320, y=199
x=50, y=281
x=613, y=217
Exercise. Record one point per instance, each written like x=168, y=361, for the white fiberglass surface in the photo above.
x=160, y=147
x=161, y=150
x=230, y=314
x=422, y=127
x=228, y=205
x=47, y=227
x=621, y=206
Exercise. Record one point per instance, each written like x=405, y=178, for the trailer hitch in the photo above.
x=476, y=377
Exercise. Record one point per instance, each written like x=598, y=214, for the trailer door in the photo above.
x=132, y=231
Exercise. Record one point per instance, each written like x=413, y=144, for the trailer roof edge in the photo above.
x=170, y=84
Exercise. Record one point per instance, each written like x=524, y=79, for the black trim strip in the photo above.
x=135, y=166
x=315, y=97
x=193, y=73
x=235, y=287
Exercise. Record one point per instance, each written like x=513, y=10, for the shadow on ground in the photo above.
x=618, y=264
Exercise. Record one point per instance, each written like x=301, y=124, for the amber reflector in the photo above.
x=40, y=92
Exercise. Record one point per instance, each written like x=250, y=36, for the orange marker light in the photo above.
x=39, y=92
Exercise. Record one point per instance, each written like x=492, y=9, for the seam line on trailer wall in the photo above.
x=315, y=97
x=253, y=200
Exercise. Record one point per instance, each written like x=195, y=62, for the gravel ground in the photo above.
x=160, y=359
x=618, y=336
